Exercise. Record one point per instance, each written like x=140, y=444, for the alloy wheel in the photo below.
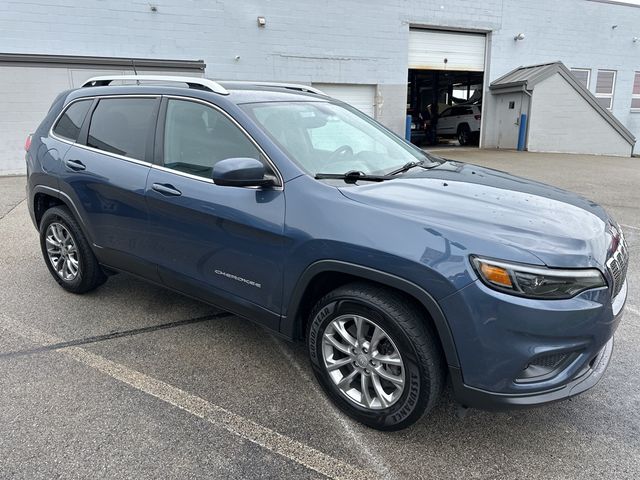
x=62, y=251
x=363, y=362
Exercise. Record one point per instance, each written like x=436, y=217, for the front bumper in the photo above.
x=485, y=400
x=499, y=337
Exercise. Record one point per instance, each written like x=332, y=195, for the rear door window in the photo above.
x=122, y=126
x=68, y=126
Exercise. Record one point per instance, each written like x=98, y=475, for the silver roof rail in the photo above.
x=192, y=82
x=290, y=86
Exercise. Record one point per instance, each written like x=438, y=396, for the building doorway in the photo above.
x=445, y=87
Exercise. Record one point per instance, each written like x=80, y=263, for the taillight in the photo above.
x=477, y=117
x=27, y=143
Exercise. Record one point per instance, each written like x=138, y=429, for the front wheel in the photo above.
x=464, y=135
x=375, y=355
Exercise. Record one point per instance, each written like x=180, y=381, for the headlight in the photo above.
x=536, y=282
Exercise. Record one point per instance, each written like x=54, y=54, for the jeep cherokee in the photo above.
x=292, y=209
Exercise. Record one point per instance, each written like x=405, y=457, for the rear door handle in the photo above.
x=166, y=189
x=76, y=165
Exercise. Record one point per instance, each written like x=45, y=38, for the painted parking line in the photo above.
x=630, y=227
x=245, y=428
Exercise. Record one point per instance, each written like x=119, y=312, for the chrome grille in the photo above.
x=617, y=265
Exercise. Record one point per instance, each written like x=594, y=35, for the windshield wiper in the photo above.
x=352, y=176
x=408, y=166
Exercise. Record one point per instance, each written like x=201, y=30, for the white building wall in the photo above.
x=26, y=93
x=351, y=41
x=579, y=33
x=562, y=121
x=25, y=97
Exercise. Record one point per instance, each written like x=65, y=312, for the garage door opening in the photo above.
x=445, y=87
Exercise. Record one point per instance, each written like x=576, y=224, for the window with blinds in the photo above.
x=583, y=75
x=605, y=85
x=635, y=97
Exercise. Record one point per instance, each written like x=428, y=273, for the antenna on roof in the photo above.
x=135, y=72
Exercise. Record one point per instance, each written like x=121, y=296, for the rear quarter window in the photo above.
x=69, y=124
x=122, y=126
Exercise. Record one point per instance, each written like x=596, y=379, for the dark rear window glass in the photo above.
x=71, y=120
x=462, y=111
x=121, y=126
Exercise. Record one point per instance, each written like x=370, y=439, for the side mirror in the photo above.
x=240, y=172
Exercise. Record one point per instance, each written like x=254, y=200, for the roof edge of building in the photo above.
x=93, y=61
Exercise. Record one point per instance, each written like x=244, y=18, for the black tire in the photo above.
x=410, y=333
x=464, y=135
x=89, y=273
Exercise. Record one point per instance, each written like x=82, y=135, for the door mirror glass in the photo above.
x=240, y=172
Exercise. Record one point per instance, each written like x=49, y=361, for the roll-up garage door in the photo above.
x=363, y=97
x=29, y=83
x=441, y=50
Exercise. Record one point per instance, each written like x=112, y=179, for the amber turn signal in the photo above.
x=497, y=275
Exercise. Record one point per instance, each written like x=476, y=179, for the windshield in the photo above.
x=328, y=138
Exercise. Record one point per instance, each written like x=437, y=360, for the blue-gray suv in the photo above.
x=398, y=269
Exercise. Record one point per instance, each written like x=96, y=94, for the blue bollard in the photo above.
x=407, y=129
x=522, y=132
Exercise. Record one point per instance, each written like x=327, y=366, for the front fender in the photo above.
x=291, y=321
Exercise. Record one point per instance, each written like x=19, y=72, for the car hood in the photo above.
x=560, y=228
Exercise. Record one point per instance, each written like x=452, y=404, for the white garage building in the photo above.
x=545, y=108
x=29, y=83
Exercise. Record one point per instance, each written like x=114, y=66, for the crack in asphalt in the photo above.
x=13, y=207
x=112, y=335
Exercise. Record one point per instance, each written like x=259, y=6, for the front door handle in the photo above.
x=76, y=165
x=166, y=189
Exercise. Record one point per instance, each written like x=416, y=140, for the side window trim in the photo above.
x=149, y=151
x=158, y=151
x=84, y=129
x=158, y=156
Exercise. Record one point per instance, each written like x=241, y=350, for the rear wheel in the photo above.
x=464, y=134
x=375, y=355
x=67, y=253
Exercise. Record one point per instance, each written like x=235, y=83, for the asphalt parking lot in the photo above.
x=132, y=381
